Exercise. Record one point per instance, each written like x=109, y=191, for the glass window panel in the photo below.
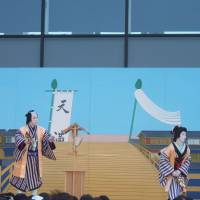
x=156, y=16
x=85, y=17
x=20, y=17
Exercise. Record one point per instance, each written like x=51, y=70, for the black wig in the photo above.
x=28, y=116
x=176, y=132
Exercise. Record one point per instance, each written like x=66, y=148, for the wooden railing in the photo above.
x=153, y=158
x=4, y=182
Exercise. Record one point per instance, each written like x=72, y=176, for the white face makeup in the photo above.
x=34, y=119
x=182, y=137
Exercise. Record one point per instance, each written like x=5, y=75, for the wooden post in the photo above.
x=74, y=183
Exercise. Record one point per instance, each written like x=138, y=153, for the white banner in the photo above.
x=155, y=111
x=61, y=113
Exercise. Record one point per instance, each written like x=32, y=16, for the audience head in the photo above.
x=86, y=197
x=104, y=197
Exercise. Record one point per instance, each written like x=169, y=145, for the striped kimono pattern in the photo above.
x=32, y=179
x=165, y=169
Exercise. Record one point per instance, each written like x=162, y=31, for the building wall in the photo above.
x=154, y=141
x=21, y=21
x=101, y=52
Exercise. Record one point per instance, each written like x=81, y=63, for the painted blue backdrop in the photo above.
x=104, y=99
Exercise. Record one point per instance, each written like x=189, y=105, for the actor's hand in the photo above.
x=176, y=173
x=28, y=142
x=51, y=138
